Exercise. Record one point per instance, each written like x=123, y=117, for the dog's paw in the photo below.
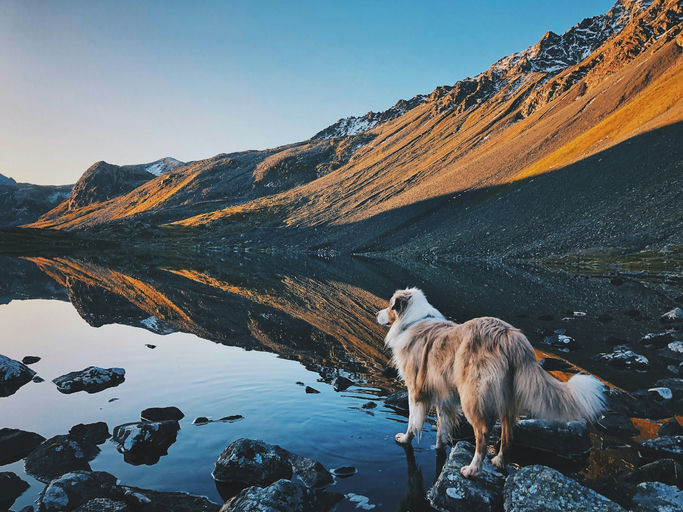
x=469, y=472
x=402, y=438
x=498, y=462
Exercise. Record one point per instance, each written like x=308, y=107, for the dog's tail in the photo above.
x=542, y=395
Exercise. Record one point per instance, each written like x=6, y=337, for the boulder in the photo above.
x=146, y=500
x=16, y=444
x=542, y=489
x=657, y=339
x=11, y=487
x=565, y=439
x=673, y=316
x=13, y=375
x=104, y=505
x=452, y=491
x=30, y=359
x=623, y=357
x=145, y=442
x=623, y=403
x=311, y=472
x=674, y=384
x=96, y=433
x=667, y=447
x=74, y=489
x=282, y=496
x=657, y=497
x=161, y=414
x=91, y=380
x=59, y=455
x=670, y=428
x=617, y=425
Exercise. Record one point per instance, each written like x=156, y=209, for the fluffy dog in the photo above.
x=484, y=367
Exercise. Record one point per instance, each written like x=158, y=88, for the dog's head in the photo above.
x=399, y=304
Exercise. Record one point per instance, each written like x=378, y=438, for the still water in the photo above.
x=239, y=336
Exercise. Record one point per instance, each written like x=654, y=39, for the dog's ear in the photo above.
x=400, y=303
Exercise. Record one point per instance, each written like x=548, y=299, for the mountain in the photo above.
x=5, y=180
x=22, y=203
x=572, y=144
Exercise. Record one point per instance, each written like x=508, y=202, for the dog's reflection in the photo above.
x=415, y=499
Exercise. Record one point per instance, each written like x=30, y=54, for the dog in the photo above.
x=484, y=367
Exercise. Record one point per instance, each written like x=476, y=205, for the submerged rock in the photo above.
x=59, y=455
x=565, y=439
x=96, y=433
x=145, y=442
x=16, y=444
x=75, y=488
x=161, y=414
x=542, y=489
x=344, y=471
x=670, y=447
x=91, y=380
x=452, y=491
x=657, y=497
x=282, y=496
x=13, y=375
x=11, y=487
x=623, y=357
x=673, y=316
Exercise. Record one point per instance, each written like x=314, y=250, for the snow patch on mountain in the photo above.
x=162, y=166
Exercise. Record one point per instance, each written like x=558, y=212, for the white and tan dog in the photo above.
x=484, y=366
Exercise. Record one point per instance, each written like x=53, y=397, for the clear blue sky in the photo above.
x=130, y=82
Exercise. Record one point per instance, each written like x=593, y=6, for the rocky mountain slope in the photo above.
x=22, y=203
x=570, y=144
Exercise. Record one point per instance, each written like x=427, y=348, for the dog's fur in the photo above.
x=484, y=367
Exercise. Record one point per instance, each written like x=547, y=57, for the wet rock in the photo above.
x=233, y=417
x=13, y=375
x=37, y=379
x=96, y=433
x=667, y=447
x=161, y=414
x=311, y=390
x=369, y=405
x=145, y=442
x=149, y=345
x=398, y=400
x=452, y=491
x=659, y=394
x=552, y=364
x=299, y=383
x=617, y=425
x=673, y=316
x=282, y=496
x=30, y=359
x=104, y=505
x=390, y=372
x=623, y=357
x=311, y=472
x=91, y=380
x=670, y=428
x=659, y=340
x=201, y=420
x=11, y=487
x=657, y=497
x=59, y=455
x=623, y=403
x=565, y=439
x=676, y=369
x=561, y=341
x=542, y=489
x=16, y=444
x=73, y=489
x=341, y=383
x=146, y=500
x=344, y=471
x=674, y=384
x=252, y=462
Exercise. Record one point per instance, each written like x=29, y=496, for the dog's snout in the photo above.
x=382, y=317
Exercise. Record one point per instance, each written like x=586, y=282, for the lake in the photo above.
x=244, y=334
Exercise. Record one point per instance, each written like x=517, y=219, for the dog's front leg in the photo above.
x=418, y=413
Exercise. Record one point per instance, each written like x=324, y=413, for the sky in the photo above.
x=132, y=82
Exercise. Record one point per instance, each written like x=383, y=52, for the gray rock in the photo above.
x=145, y=442
x=91, y=380
x=281, y=496
x=161, y=414
x=59, y=455
x=96, y=433
x=252, y=462
x=104, y=505
x=11, y=487
x=145, y=500
x=452, y=491
x=565, y=439
x=16, y=444
x=673, y=316
x=623, y=403
x=13, y=375
x=311, y=472
x=657, y=497
x=73, y=489
x=623, y=357
x=341, y=383
x=561, y=341
x=399, y=400
x=311, y=390
x=669, y=447
x=542, y=489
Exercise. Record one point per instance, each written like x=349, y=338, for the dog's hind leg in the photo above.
x=448, y=419
x=475, y=414
x=418, y=413
x=507, y=421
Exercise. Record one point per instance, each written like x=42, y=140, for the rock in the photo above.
x=674, y=384
x=561, y=341
x=201, y=420
x=369, y=405
x=311, y=390
x=252, y=462
x=565, y=439
x=96, y=433
x=344, y=471
x=30, y=359
x=623, y=403
x=390, y=372
x=659, y=340
x=670, y=428
x=161, y=414
x=659, y=394
x=13, y=375
x=551, y=364
x=617, y=425
x=299, y=383
x=667, y=447
x=16, y=444
x=623, y=357
x=74, y=489
x=676, y=347
x=146, y=500
x=616, y=281
x=282, y=496
x=11, y=487
x=37, y=379
x=542, y=489
x=104, y=505
x=145, y=442
x=452, y=491
x=341, y=383
x=232, y=418
x=311, y=472
x=91, y=380
x=398, y=400
x=673, y=316
x=59, y=455
x=149, y=345
x=676, y=369
x=657, y=497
